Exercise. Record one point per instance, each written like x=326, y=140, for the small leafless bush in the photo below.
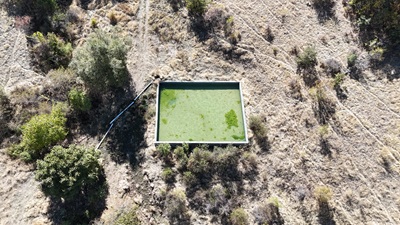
x=324, y=107
x=295, y=89
x=260, y=132
x=215, y=17
x=324, y=8
x=331, y=67
x=268, y=213
x=269, y=36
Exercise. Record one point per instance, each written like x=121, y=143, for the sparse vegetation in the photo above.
x=290, y=151
x=217, y=198
x=181, y=154
x=128, y=218
x=200, y=161
x=93, y=23
x=295, y=89
x=239, y=217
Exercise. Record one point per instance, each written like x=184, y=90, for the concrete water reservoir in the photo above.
x=200, y=112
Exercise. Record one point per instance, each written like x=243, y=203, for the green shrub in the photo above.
x=323, y=194
x=307, y=59
x=338, y=80
x=39, y=133
x=239, y=217
x=200, y=161
x=257, y=126
x=79, y=100
x=68, y=172
x=101, y=62
x=164, y=150
x=225, y=160
x=351, y=60
x=51, y=51
x=196, y=7
x=181, y=154
x=217, y=198
x=168, y=175
x=128, y=218
x=189, y=179
x=175, y=204
x=93, y=23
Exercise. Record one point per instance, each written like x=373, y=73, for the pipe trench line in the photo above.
x=122, y=112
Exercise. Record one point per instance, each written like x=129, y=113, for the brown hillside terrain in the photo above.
x=356, y=153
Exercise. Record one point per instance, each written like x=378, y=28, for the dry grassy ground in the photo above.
x=360, y=162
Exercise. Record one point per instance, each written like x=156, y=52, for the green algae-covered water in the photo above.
x=200, y=112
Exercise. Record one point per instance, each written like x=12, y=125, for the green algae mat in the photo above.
x=200, y=112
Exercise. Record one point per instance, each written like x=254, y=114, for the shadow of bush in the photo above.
x=127, y=136
x=324, y=9
x=325, y=214
x=176, y=4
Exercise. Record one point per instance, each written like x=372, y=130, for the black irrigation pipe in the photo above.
x=122, y=112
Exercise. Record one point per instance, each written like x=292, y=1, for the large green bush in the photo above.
x=39, y=133
x=68, y=172
x=101, y=61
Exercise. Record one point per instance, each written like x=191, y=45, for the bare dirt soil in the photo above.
x=358, y=158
